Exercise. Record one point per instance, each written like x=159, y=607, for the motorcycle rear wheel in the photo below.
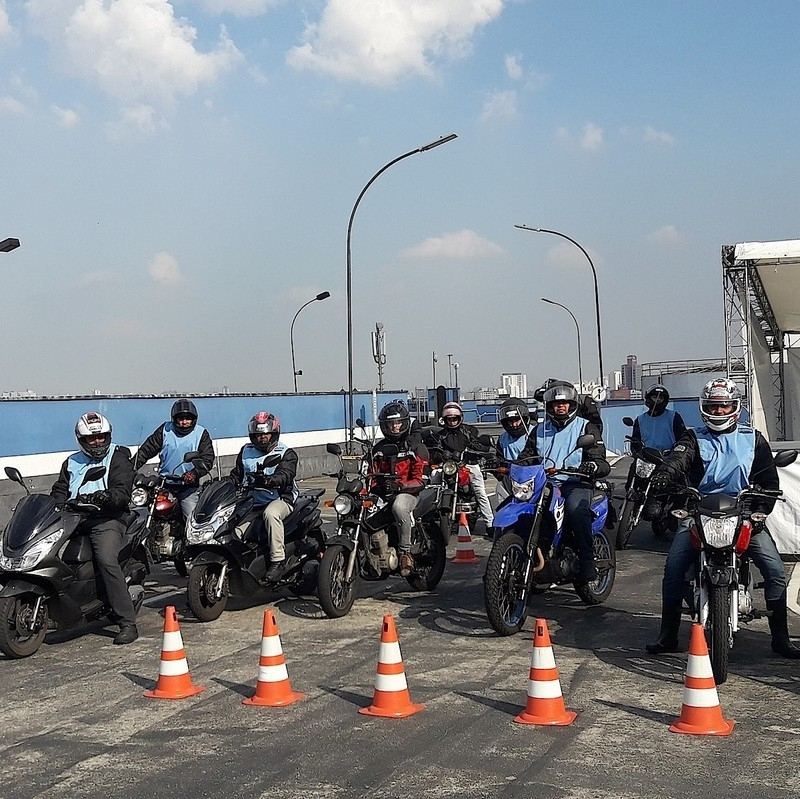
x=201, y=590
x=599, y=590
x=429, y=567
x=718, y=631
x=628, y=520
x=20, y=634
x=336, y=594
x=503, y=583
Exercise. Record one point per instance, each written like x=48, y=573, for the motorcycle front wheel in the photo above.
x=628, y=520
x=429, y=566
x=201, y=591
x=336, y=593
x=605, y=559
x=718, y=631
x=21, y=634
x=503, y=584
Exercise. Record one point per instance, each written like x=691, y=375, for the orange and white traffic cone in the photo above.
x=465, y=552
x=545, y=703
x=272, y=688
x=174, y=681
x=391, y=698
x=701, y=713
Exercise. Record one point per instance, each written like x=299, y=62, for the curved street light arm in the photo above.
x=578, y=330
x=323, y=295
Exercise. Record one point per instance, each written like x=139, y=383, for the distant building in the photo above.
x=514, y=384
x=631, y=374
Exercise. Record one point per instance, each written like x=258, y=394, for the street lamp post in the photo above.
x=450, y=369
x=596, y=292
x=455, y=367
x=577, y=328
x=323, y=295
x=434, y=361
x=6, y=245
x=423, y=149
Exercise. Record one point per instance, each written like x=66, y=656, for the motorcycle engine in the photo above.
x=745, y=601
x=567, y=565
x=382, y=557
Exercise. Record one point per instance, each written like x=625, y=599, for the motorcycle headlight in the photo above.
x=644, y=468
x=343, y=504
x=719, y=532
x=199, y=533
x=449, y=468
x=32, y=556
x=139, y=497
x=522, y=491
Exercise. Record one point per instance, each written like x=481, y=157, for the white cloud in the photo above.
x=12, y=106
x=379, y=42
x=5, y=23
x=658, y=136
x=164, y=269
x=514, y=66
x=592, y=137
x=567, y=256
x=500, y=105
x=137, y=51
x=463, y=245
x=240, y=8
x=668, y=236
x=65, y=117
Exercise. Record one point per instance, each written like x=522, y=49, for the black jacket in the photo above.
x=119, y=481
x=154, y=442
x=465, y=436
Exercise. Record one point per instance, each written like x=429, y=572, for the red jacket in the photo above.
x=409, y=463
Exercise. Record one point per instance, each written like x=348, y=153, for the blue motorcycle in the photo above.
x=533, y=548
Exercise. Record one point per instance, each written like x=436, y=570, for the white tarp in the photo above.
x=784, y=521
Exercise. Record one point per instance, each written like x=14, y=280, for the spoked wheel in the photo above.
x=336, y=593
x=202, y=588
x=718, y=631
x=504, y=583
x=429, y=565
x=21, y=629
x=605, y=560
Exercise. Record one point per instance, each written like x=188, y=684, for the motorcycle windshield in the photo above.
x=215, y=495
x=34, y=515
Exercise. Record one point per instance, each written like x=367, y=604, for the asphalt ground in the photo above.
x=74, y=721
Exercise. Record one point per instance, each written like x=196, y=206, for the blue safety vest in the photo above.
x=251, y=460
x=657, y=431
x=511, y=446
x=174, y=447
x=557, y=445
x=727, y=458
x=77, y=466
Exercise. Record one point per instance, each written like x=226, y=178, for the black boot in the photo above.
x=668, y=636
x=779, y=627
x=274, y=571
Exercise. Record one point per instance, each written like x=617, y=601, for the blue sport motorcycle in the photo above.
x=533, y=548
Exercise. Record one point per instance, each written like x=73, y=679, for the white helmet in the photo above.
x=93, y=424
x=720, y=392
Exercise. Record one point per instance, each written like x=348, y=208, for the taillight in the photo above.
x=694, y=536
x=743, y=541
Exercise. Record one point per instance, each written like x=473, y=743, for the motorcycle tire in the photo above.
x=429, y=567
x=503, y=583
x=180, y=566
x=17, y=639
x=627, y=523
x=718, y=631
x=599, y=590
x=336, y=595
x=201, y=589
x=659, y=527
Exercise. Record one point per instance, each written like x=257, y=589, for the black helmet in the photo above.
x=514, y=416
x=183, y=408
x=561, y=393
x=391, y=414
x=656, y=398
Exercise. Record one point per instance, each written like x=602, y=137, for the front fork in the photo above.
x=353, y=559
x=704, y=579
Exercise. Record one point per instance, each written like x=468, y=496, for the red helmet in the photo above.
x=264, y=430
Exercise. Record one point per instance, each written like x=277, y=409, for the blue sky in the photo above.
x=181, y=175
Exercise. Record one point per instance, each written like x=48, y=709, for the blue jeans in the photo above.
x=682, y=555
x=579, y=517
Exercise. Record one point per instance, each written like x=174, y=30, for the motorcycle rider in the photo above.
x=515, y=419
x=104, y=527
x=659, y=428
x=455, y=436
x=719, y=458
x=409, y=465
x=554, y=439
x=171, y=441
x=268, y=467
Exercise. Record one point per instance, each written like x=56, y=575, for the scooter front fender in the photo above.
x=14, y=586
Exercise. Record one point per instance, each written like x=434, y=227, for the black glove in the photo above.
x=660, y=481
x=392, y=485
x=589, y=467
x=99, y=498
x=190, y=478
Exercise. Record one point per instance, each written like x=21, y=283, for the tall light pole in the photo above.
x=6, y=245
x=450, y=369
x=577, y=328
x=423, y=149
x=434, y=361
x=596, y=292
x=323, y=295
x=455, y=366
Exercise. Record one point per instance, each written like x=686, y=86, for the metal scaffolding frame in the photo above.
x=746, y=304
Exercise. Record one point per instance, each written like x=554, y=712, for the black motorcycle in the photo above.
x=365, y=545
x=228, y=553
x=48, y=578
x=166, y=526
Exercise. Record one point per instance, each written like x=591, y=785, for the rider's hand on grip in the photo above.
x=660, y=481
x=590, y=467
x=190, y=478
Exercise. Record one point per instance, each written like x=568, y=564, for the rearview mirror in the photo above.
x=93, y=475
x=333, y=449
x=584, y=441
x=783, y=458
x=627, y=421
